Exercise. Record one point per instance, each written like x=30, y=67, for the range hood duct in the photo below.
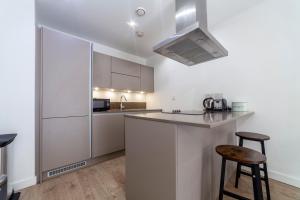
x=192, y=43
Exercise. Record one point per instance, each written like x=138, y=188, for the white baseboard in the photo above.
x=281, y=177
x=285, y=178
x=21, y=184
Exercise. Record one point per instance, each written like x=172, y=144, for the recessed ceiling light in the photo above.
x=132, y=24
x=96, y=88
x=112, y=90
x=142, y=92
x=140, y=11
x=128, y=91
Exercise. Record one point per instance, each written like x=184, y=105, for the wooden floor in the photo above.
x=105, y=181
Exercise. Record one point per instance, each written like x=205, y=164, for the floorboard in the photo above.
x=105, y=181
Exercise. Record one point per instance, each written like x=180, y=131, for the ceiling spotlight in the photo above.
x=128, y=91
x=139, y=33
x=140, y=11
x=132, y=24
x=96, y=88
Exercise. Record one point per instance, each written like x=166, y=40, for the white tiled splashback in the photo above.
x=116, y=95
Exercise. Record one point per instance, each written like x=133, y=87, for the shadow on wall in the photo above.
x=233, y=8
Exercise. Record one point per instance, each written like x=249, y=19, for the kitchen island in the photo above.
x=172, y=156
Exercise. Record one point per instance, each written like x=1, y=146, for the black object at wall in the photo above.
x=15, y=196
x=5, y=139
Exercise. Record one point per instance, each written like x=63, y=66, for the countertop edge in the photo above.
x=127, y=111
x=231, y=120
x=211, y=125
x=168, y=121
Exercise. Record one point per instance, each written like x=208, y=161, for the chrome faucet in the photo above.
x=121, y=100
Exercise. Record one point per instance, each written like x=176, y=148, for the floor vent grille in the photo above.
x=65, y=169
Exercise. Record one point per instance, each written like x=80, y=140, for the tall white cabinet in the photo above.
x=65, y=99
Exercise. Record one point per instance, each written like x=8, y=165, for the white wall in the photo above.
x=17, y=73
x=262, y=68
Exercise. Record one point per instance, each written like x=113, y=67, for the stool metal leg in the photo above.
x=266, y=177
x=221, y=190
x=238, y=168
x=267, y=182
x=257, y=188
x=263, y=151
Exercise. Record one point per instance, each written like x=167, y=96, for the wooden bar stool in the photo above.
x=246, y=157
x=257, y=138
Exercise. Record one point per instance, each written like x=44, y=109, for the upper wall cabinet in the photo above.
x=115, y=73
x=101, y=70
x=147, y=79
x=125, y=67
x=124, y=82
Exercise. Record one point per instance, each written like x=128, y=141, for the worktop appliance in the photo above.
x=101, y=105
x=211, y=104
x=185, y=112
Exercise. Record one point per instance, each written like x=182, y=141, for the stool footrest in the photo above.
x=248, y=174
x=261, y=169
x=233, y=195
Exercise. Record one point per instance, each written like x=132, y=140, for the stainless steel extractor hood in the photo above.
x=192, y=43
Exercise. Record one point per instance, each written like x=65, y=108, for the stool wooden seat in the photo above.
x=243, y=156
x=256, y=137
x=252, y=136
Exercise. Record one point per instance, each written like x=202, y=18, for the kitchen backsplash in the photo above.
x=129, y=105
x=115, y=96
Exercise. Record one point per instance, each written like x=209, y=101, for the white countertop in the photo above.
x=208, y=120
x=139, y=110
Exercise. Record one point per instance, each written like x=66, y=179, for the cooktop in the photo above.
x=185, y=112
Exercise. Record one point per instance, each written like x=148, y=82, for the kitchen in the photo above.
x=97, y=93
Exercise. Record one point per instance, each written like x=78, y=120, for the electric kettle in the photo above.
x=208, y=103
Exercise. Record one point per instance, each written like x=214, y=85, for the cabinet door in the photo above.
x=65, y=75
x=65, y=141
x=124, y=82
x=101, y=70
x=108, y=134
x=147, y=79
x=125, y=67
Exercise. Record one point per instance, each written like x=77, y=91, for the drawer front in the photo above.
x=108, y=134
x=65, y=141
x=124, y=82
x=125, y=67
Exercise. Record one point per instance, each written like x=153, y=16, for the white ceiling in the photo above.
x=105, y=21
